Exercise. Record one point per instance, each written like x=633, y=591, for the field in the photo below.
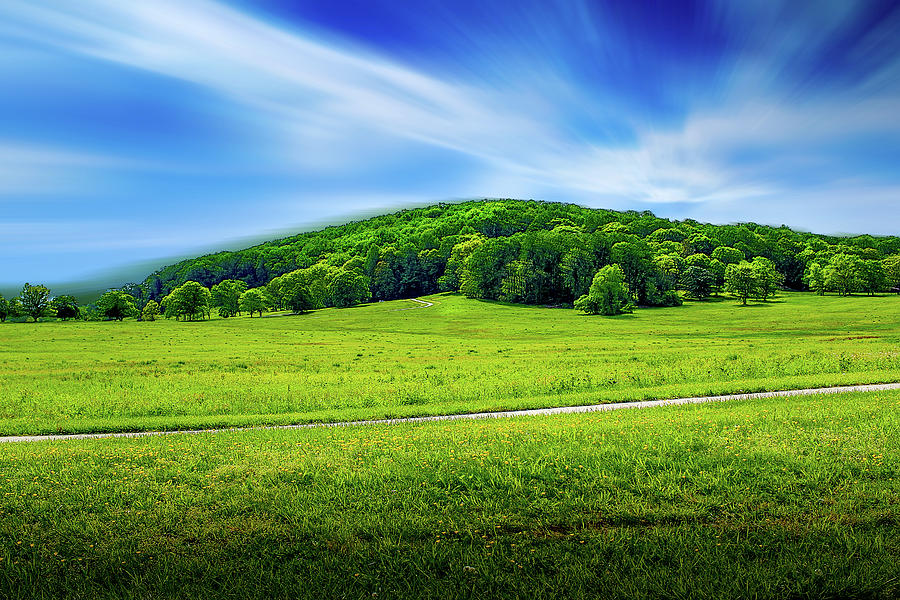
x=775, y=498
x=459, y=355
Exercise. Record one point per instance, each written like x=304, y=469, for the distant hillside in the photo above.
x=527, y=251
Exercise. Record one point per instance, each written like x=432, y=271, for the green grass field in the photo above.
x=457, y=356
x=774, y=498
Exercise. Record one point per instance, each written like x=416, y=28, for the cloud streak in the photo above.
x=545, y=110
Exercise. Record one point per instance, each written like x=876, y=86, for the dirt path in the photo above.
x=482, y=415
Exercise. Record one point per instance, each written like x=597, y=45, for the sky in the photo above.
x=135, y=132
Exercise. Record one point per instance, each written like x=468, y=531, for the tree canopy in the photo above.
x=35, y=301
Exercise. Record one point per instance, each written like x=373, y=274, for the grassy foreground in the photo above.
x=775, y=498
x=457, y=356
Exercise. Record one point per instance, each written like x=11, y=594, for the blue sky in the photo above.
x=131, y=132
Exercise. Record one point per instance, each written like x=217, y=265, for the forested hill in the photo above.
x=525, y=251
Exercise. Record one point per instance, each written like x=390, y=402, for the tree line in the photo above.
x=510, y=250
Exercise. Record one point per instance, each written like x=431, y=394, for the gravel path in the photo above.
x=483, y=415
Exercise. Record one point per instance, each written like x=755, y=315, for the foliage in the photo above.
x=767, y=278
x=151, y=311
x=347, y=288
x=189, y=301
x=740, y=280
x=814, y=278
x=4, y=309
x=254, y=300
x=891, y=267
x=35, y=301
x=842, y=273
x=698, y=282
x=226, y=295
x=66, y=307
x=117, y=305
x=607, y=294
x=530, y=252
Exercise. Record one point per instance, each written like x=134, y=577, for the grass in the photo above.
x=773, y=498
x=460, y=355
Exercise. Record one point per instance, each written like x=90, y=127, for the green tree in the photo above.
x=35, y=301
x=728, y=255
x=227, y=295
x=814, y=278
x=767, y=278
x=347, y=289
x=190, y=301
x=253, y=300
x=740, y=280
x=872, y=277
x=4, y=309
x=842, y=273
x=607, y=294
x=698, y=282
x=891, y=266
x=66, y=307
x=116, y=304
x=151, y=311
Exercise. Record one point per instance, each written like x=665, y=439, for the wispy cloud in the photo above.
x=794, y=98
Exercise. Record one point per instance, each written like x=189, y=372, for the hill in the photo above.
x=523, y=251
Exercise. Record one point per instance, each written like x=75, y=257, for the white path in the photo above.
x=423, y=303
x=483, y=415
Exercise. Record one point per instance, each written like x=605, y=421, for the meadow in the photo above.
x=774, y=498
x=395, y=358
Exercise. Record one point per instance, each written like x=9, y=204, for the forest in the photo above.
x=529, y=252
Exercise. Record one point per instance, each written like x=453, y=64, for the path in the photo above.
x=482, y=415
x=424, y=303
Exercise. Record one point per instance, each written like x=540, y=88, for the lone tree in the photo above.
x=116, y=304
x=740, y=280
x=35, y=300
x=66, y=307
x=151, y=311
x=607, y=294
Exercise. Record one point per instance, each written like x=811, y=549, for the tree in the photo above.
x=728, y=255
x=189, y=301
x=253, y=300
x=607, y=294
x=116, y=304
x=698, y=282
x=4, y=309
x=872, y=277
x=298, y=299
x=35, y=301
x=842, y=273
x=151, y=311
x=740, y=280
x=347, y=288
x=891, y=266
x=227, y=295
x=66, y=307
x=814, y=277
x=767, y=278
